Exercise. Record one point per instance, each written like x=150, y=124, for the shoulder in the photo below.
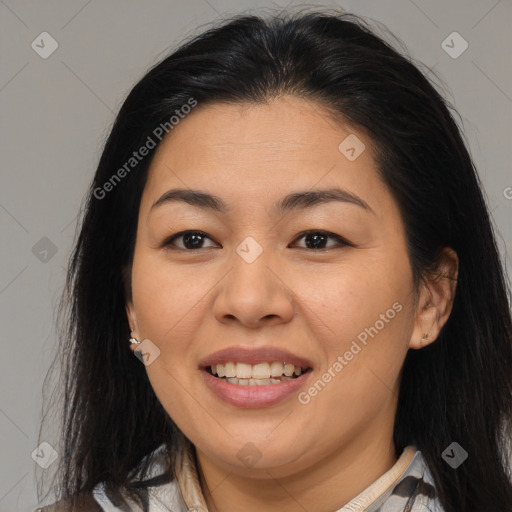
x=87, y=504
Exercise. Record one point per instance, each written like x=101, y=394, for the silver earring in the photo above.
x=133, y=341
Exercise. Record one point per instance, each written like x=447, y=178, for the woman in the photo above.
x=287, y=231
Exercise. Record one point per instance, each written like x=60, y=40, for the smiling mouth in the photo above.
x=262, y=374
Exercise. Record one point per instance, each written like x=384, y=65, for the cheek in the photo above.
x=366, y=319
x=358, y=297
x=164, y=298
x=165, y=302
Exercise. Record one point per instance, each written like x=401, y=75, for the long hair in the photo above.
x=459, y=388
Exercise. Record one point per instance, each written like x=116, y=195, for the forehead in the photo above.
x=256, y=149
x=287, y=125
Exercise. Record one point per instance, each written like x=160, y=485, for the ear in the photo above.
x=132, y=322
x=130, y=308
x=435, y=301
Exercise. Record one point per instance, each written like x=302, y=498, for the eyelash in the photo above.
x=168, y=242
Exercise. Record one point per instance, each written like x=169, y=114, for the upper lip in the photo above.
x=254, y=356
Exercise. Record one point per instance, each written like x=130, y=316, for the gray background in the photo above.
x=56, y=112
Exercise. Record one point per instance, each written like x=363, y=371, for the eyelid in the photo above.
x=168, y=242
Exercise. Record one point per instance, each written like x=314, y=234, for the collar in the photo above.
x=188, y=479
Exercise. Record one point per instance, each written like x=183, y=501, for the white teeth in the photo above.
x=276, y=369
x=261, y=371
x=243, y=371
x=258, y=374
x=230, y=369
x=256, y=382
x=288, y=369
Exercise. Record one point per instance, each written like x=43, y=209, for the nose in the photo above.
x=254, y=294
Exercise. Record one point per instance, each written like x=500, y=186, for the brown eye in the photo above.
x=316, y=240
x=191, y=240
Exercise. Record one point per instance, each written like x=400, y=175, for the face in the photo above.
x=328, y=280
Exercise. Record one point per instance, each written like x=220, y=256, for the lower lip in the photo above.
x=253, y=396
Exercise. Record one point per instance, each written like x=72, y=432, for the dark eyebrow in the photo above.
x=293, y=201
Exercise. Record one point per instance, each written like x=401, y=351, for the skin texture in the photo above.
x=316, y=456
